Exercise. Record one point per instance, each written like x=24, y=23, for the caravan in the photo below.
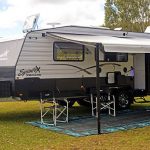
x=63, y=59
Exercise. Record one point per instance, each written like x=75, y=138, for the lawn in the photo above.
x=17, y=135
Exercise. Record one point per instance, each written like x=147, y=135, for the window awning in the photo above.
x=122, y=44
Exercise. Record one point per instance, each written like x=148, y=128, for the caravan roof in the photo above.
x=5, y=39
x=94, y=31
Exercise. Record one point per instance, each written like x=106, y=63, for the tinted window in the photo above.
x=116, y=57
x=68, y=51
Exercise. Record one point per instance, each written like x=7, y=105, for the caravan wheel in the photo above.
x=123, y=100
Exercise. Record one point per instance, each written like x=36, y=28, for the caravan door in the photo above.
x=139, y=74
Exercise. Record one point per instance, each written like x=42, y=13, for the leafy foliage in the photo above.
x=130, y=15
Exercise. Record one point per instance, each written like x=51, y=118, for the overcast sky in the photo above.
x=66, y=12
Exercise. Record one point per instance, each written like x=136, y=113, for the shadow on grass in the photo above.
x=19, y=117
x=31, y=112
x=141, y=104
x=30, y=115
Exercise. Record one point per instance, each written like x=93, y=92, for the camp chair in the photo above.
x=107, y=101
x=50, y=106
x=61, y=111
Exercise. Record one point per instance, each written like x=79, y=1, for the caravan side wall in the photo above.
x=9, y=52
x=37, y=71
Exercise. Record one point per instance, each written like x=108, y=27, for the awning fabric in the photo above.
x=111, y=43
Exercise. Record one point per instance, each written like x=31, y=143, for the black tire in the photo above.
x=123, y=100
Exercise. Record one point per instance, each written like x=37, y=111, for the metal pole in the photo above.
x=98, y=46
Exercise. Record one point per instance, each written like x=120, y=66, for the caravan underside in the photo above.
x=31, y=87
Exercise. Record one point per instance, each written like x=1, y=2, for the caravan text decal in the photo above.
x=30, y=72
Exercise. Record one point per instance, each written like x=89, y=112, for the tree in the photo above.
x=131, y=15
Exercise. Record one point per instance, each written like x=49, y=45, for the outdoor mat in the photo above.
x=82, y=126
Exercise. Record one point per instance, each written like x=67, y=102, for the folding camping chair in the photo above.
x=50, y=106
x=107, y=101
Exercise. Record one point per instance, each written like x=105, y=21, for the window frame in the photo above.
x=83, y=52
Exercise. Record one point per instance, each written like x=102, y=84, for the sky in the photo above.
x=66, y=12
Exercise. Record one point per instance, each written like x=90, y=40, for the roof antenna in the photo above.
x=30, y=23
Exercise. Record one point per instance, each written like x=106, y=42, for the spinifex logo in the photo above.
x=30, y=72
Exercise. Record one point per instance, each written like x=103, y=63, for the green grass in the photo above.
x=16, y=135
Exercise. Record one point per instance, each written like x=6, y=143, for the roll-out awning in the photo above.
x=123, y=44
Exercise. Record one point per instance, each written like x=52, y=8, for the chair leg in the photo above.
x=92, y=104
x=94, y=107
x=114, y=105
x=55, y=112
x=67, y=112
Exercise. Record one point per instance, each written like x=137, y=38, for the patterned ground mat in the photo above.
x=86, y=125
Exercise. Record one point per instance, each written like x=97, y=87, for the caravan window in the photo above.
x=116, y=57
x=68, y=51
